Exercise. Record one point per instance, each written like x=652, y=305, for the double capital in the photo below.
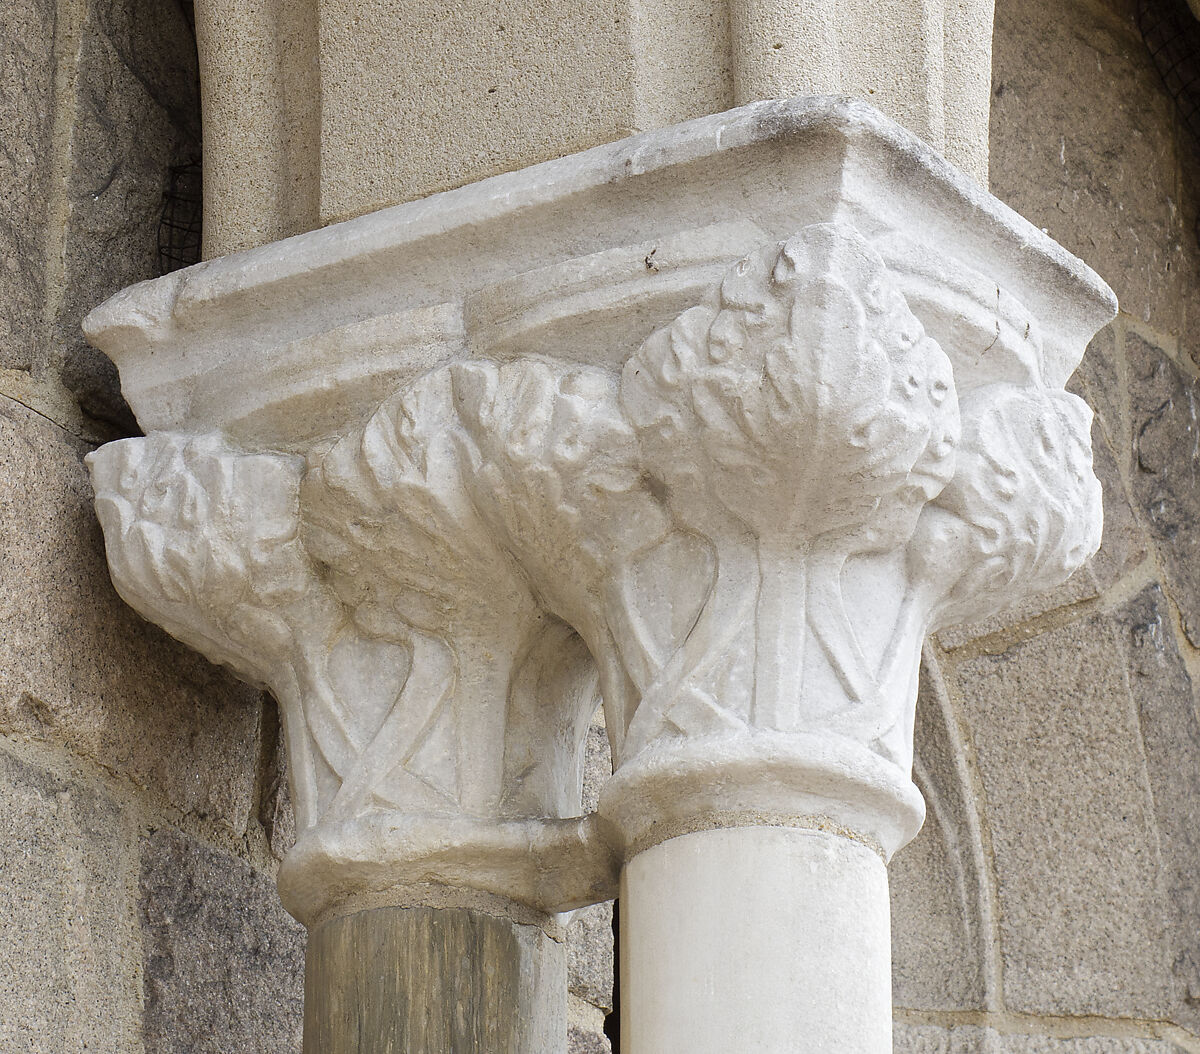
x=723, y=480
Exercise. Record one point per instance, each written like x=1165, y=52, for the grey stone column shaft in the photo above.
x=421, y=980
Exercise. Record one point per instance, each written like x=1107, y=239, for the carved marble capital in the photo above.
x=714, y=425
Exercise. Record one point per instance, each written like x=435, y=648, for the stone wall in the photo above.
x=137, y=902
x=1052, y=903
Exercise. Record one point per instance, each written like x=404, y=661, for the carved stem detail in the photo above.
x=781, y=629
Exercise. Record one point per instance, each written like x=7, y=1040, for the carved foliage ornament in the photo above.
x=742, y=538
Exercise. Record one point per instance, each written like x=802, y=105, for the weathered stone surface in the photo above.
x=1101, y=380
x=67, y=864
x=26, y=123
x=1165, y=480
x=1188, y=331
x=80, y=668
x=929, y=934
x=590, y=936
x=137, y=114
x=1125, y=544
x=597, y=764
x=1068, y=803
x=590, y=955
x=1082, y=144
x=156, y=42
x=1082, y=585
x=224, y=964
x=931, y=1039
x=1085, y=1045
x=1124, y=10
x=1166, y=708
x=493, y=109
x=938, y=934
x=582, y=1041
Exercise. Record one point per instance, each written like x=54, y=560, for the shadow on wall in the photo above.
x=181, y=229
x=1172, y=35
x=134, y=139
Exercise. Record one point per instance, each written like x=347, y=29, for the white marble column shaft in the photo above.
x=756, y=939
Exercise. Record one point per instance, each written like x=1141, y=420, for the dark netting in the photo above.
x=1172, y=33
x=179, y=230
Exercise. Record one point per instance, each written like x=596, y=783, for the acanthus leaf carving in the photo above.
x=386, y=513
x=800, y=417
x=204, y=540
x=556, y=473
